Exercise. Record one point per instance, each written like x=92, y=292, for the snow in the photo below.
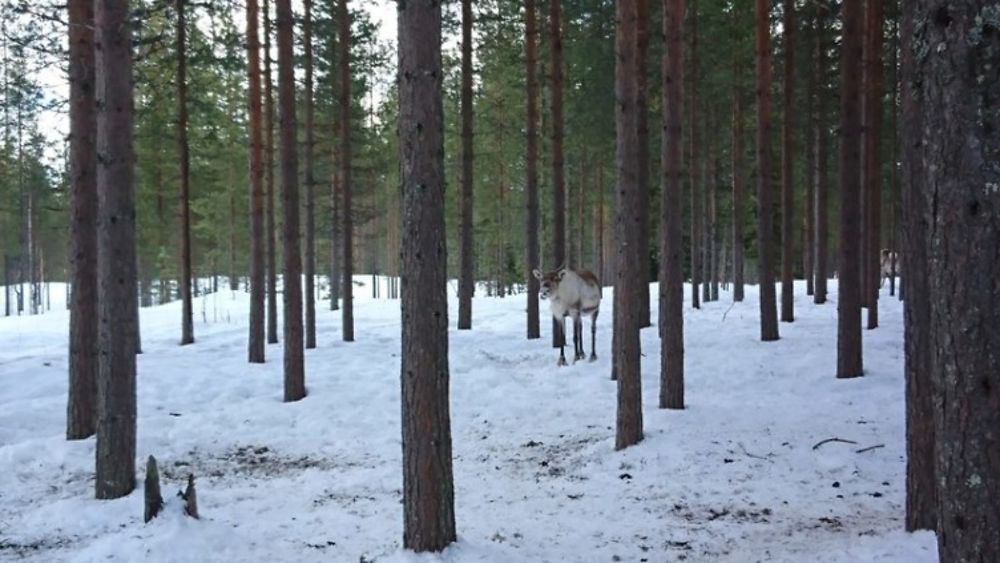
x=734, y=477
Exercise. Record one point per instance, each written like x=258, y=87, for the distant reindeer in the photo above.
x=572, y=294
x=889, y=265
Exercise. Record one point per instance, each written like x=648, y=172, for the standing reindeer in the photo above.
x=889, y=264
x=570, y=294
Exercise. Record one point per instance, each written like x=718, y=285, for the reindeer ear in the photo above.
x=561, y=273
x=537, y=273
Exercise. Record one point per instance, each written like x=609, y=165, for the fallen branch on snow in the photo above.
x=828, y=440
x=870, y=448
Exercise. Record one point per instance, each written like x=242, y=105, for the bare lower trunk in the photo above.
x=466, y=282
x=531, y=39
x=255, y=347
x=428, y=490
x=787, y=195
x=310, y=207
x=768, y=307
x=347, y=219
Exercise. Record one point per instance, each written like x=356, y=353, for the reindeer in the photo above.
x=889, y=265
x=570, y=294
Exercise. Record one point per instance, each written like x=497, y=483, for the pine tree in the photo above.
x=768, y=311
x=257, y=265
x=787, y=156
x=310, y=146
x=531, y=188
x=467, y=282
x=346, y=188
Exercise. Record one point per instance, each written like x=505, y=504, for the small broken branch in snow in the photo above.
x=190, y=498
x=154, y=502
x=731, y=305
x=870, y=448
x=828, y=440
x=748, y=454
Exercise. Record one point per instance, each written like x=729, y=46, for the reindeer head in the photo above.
x=549, y=281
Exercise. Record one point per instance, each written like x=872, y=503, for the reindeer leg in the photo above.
x=577, y=337
x=593, y=336
x=561, y=324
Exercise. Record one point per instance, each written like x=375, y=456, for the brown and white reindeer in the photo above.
x=889, y=265
x=572, y=294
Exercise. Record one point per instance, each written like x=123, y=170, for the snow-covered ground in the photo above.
x=734, y=477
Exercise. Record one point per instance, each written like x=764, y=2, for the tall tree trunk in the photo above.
x=83, y=325
x=467, y=284
x=808, y=256
x=921, y=485
x=187, y=316
x=116, y=244
x=644, y=191
x=821, y=209
x=787, y=170
x=255, y=348
x=694, y=162
x=714, y=230
x=849, y=282
x=765, y=207
x=558, y=181
x=293, y=361
x=671, y=318
x=347, y=219
x=335, y=191
x=628, y=225
x=428, y=489
x=958, y=85
x=310, y=253
x=872, y=162
x=739, y=205
x=599, y=224
x=271, y=227
x=533, y=222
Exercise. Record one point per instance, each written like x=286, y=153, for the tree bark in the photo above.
x=642, y=58
x=695, y=162
x=671, y=318
x=347, y=219
x=808, y=255
x=116, y=243
x=255, y=346
x=271, y=227
x=628, y=226
x=739, y=205
x=428, y=489
x=558, y=181
x=292, y=303
x=310, y=146
x=467, y=284
x=921, y=486
x=958, y=82
x=872, y=163
x=765, y=207
x=821, y=209
x=533, y=222
x=83, y=327
x=787, y=171
x=849, y=282
x=187, y=316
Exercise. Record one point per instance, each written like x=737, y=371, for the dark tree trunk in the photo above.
x=257, y=269
x=335, y=192
x=271, y=227
x=694, y=163
x=714, y=230
x=872, y=162
x=558, y=181
x=347, y=220
x=116, y=294
x=921, y=486
x=187, y=316
x=533, y=226
x=739, y=203
x=599, y=223
x=628, y=226
x=83, y=325
x=849, y=282
x=821, y=209
x=765, y=207
x=428, y=489
x=671, y=318
x=467, y=283
x=293, y=361
x=808, y=255
x=310, y=146
x=958, y=85
x=642, y=58
x=787, y=195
